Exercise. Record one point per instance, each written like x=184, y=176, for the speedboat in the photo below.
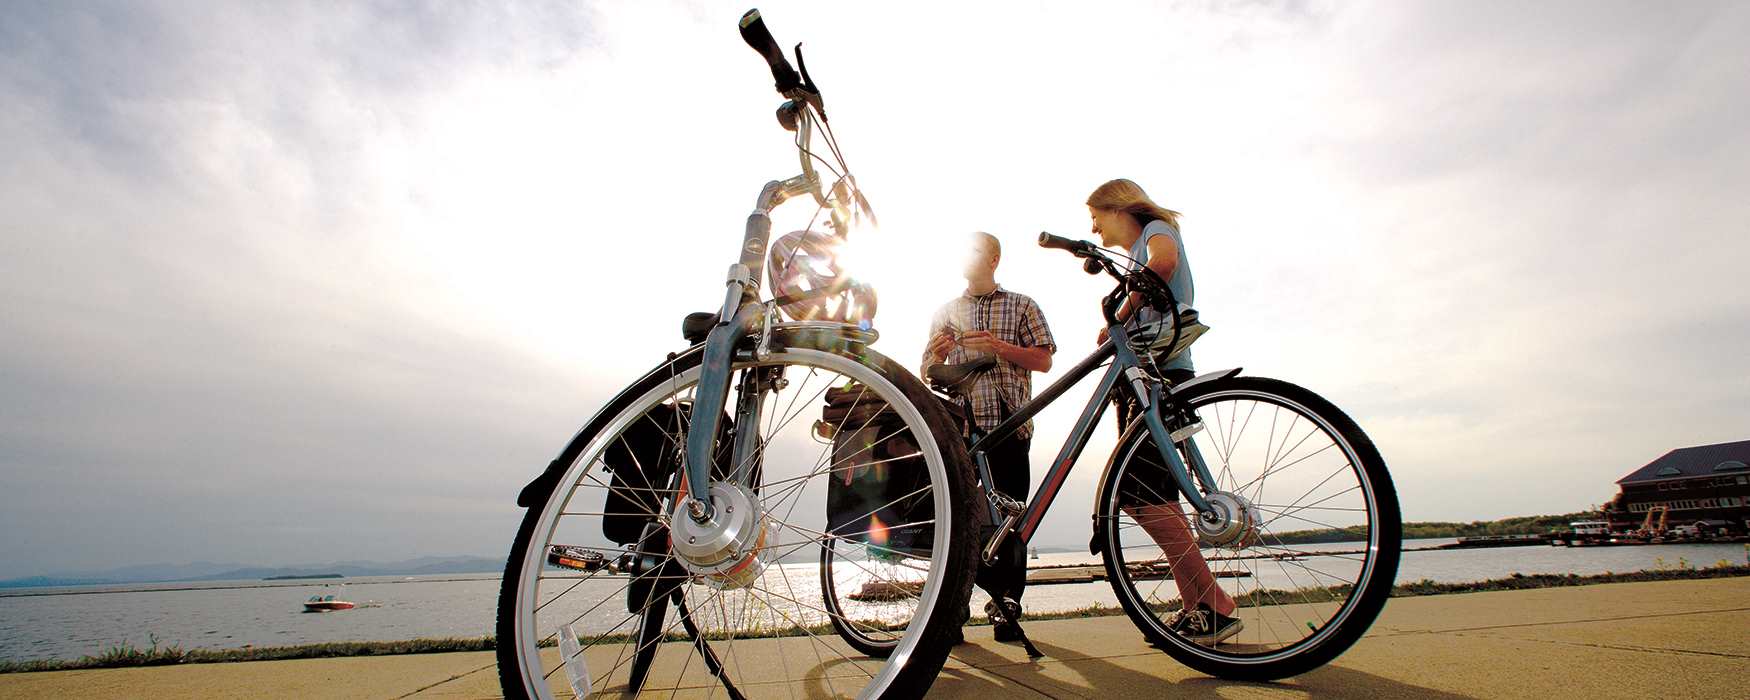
x=326, y=603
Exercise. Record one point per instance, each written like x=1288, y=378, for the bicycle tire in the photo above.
x=925, y=643
x=1254, y=658
x=872, y=642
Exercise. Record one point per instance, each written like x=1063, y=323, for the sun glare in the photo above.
x=875, y=257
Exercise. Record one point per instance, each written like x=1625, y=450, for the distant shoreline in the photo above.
x=207, y=572
x=294, y=577
x=154, y=587
x=125, y=655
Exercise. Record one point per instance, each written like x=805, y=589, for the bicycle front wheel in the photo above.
x=1318, y=561
x=596, y=601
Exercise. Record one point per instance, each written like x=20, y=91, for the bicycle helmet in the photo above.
x=809, y=284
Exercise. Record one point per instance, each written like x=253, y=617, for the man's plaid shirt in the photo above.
x=1012, y=318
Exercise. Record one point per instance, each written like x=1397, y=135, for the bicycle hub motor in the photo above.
x=1233, y=524
x=726, y=549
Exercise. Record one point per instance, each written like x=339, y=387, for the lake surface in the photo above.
x=43, y=623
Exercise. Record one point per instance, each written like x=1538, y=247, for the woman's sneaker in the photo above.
x=1204, y=626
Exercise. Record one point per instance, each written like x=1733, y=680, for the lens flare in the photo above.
x=877, y=531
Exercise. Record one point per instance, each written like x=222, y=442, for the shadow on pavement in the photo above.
x=1067, y=674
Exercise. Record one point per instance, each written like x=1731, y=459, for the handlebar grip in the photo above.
x=1047, y=240
x=754, y=32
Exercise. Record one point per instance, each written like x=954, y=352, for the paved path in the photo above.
x=1677, y=639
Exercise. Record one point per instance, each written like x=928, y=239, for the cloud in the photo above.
x=254, y=252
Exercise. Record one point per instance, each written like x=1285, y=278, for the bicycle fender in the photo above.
x=1205, y=378
x=543, y=483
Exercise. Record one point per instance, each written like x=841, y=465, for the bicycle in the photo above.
x=1334, y=600
x=695, y=490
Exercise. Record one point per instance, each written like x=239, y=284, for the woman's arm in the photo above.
x=1163, y=258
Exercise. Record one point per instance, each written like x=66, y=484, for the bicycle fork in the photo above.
x=1148, y=395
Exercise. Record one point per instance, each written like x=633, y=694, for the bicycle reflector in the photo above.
x=809, y=283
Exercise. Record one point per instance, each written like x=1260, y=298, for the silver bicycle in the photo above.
x=673, y=544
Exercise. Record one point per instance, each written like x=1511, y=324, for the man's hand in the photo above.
x=983, y=341
x=1032, y=359
x=1102, y=338
x=941, y=345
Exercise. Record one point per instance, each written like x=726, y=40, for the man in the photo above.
x=987, y=320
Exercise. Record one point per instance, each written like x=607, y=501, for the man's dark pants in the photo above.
x=1011, y=472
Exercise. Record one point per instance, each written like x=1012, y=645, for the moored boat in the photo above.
x=327, y=603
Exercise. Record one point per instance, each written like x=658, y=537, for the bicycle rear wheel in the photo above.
x=863, y=587
x=585, y=609
x=1316, y=571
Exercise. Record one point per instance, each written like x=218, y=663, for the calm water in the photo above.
x=71, y=622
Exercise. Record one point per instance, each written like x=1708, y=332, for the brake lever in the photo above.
x=863, y=203
x=813, y=92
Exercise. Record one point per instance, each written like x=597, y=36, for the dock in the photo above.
x=1075, y=573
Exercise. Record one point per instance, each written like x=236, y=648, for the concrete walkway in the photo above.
x=1678, y=639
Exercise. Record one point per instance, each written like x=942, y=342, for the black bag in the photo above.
x=878, y=484
x=643, y=461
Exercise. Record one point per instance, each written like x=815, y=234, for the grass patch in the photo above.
x=1518, y=582
x=156, y=654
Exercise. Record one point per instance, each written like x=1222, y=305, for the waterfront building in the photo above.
x=1707, y=485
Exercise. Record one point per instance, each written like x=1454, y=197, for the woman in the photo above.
x=1125, y=218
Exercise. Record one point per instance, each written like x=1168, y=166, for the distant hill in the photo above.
x=1521, y=525
x=208, y=571
x=46, y=581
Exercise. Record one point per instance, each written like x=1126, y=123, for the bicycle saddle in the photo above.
x=953, y=377
x=697, y=325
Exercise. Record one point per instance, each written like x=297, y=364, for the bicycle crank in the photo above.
x=725, y=550
x=1232, y=523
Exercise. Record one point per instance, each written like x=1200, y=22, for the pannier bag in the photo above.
x=643, y=460
x=1156, y=339
x=877, y=490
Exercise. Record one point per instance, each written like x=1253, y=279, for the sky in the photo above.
x=299, y=282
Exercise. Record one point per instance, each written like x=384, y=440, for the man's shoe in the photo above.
x=1205, y=626
x=1004, y=614
x=1007, y=632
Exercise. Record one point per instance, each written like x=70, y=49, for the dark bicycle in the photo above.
x=1285, y=460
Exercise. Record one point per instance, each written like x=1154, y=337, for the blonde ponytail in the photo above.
x=1126, y=196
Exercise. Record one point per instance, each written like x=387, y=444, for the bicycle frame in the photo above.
x=1125, y=368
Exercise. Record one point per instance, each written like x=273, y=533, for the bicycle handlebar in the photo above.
x=1080, y=248
x=1142, y=280
x=754, y=32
